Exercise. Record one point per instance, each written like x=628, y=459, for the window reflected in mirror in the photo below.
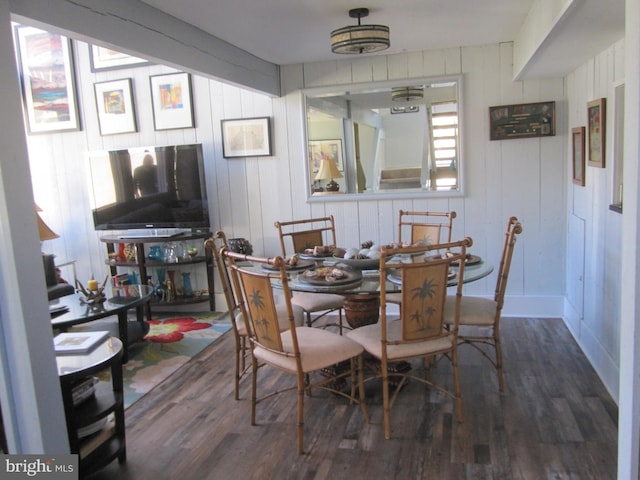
x=385, y=139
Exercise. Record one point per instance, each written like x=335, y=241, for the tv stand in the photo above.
x=145, y=265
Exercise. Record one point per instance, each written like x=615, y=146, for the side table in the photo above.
x=103, y=411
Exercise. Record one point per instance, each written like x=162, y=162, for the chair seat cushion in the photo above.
x=283, y=321
x=394, y=297
x=318, y=349
x=369, y=337
x=476, y=311
x=316, y=302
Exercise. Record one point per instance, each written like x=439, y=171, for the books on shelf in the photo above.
x=72, y=343
x=106, y=430
x=84, y=390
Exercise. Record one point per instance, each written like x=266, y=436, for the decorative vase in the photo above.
x=161, y=288
x=155, y=253
x=130, y=252
x=240, y=245
x=171, y=285
x=187, y=290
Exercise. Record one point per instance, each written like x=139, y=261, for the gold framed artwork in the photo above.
x=577, y=142
x=597, y=121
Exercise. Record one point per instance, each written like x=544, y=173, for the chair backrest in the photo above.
x=424, y=289
x=215, y=244
x=513, y=228
x=426, y=227
x=307, y=233
x=257, y=300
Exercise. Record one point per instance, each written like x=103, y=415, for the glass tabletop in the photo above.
x=71, y=309
x=69, y=365
x=368, y=281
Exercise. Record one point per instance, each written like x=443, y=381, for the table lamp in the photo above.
x=329, y=171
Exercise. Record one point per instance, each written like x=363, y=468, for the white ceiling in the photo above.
x=297, y=31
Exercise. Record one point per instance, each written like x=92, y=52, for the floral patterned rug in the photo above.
x=170, y=344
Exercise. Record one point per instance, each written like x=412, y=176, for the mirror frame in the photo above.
x=411, y=193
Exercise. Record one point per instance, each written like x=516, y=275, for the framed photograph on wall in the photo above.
x=114, y=103
x=246, y=137
x=577, y=142
x=103, y=58
x=48, y=84
x=172, y=101
x=319, y=149
x=596, y=116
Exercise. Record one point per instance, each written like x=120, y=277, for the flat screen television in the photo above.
x=148, y=188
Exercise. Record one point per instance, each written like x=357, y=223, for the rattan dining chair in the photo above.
x=307, y=234
x=238, y=324
x=480, y=317
x=428, y=228
x=302, y=351
x=425, y=227
x=420, y=332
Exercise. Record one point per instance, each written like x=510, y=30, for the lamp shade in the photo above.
x=360, y=38
x=44, y=232
x=328, y=170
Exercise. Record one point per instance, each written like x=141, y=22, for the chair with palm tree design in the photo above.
x=420, y=332
x=239, y=327
x=427, y=228
x=307, y=353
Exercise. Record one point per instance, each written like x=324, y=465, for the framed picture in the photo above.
x=246, y=137
x=577, y=141
x=106, y=59
x=319, y=149
x=172, y=101
x=523, y=120
x=48, y=84
x=114, y=102
x=596, y=116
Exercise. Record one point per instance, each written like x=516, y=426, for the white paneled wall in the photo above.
x=594, y=237
x=526, y=178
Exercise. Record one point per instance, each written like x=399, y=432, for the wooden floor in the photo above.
x=554, y=421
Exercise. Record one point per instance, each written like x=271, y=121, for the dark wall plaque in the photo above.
x=523, y=120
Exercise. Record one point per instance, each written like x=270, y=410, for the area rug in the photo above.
x=170, y=343
x=173, y=339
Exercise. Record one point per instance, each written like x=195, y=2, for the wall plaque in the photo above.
x=523, y=120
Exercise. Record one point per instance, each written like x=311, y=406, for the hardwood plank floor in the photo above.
x=554, y=421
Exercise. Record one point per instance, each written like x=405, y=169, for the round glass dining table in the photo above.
x=362, y=294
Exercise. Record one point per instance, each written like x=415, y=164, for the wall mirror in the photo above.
x=392, y=139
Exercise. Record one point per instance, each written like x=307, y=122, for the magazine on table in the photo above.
x=78, y=342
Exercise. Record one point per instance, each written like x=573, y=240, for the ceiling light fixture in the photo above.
x=407, y=94
x=360, y=38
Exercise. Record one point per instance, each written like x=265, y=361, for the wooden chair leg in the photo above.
x=361, y=392
x=254, y=383
x=456, y=386
x=499, y=369
x=386, y=408
x=300, y=415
